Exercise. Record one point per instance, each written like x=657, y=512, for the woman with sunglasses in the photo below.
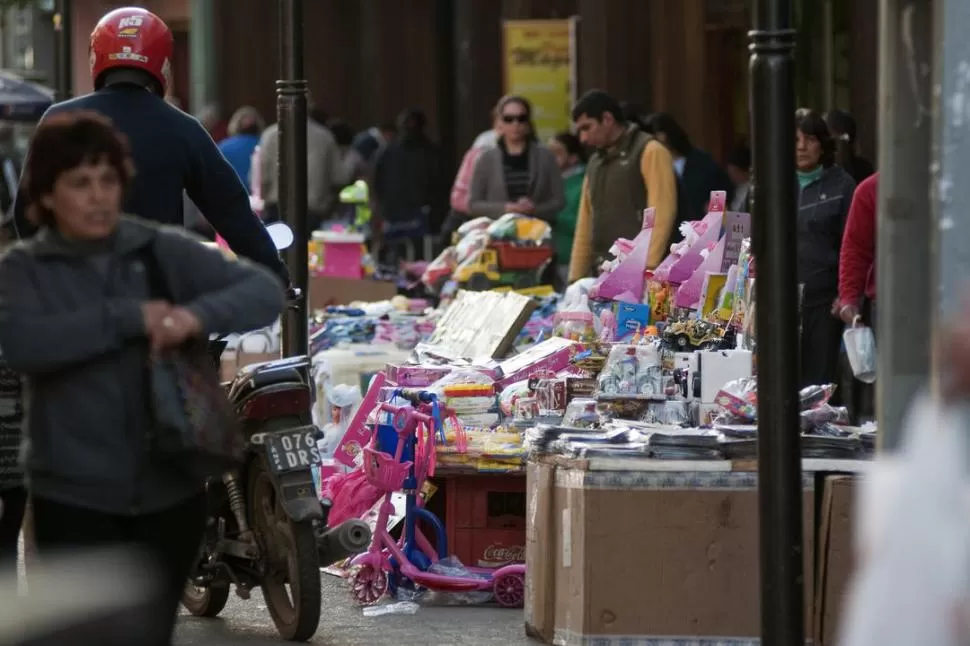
x=518, y=175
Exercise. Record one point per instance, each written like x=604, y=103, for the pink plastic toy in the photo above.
x=408, y=558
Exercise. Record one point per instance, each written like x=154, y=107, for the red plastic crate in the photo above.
x=485, y=519
x=514, y=257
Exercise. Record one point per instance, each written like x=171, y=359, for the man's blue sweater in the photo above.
x=172, y=153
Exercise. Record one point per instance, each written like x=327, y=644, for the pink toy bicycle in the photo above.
x=389, y=562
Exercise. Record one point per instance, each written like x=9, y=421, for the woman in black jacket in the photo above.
x=824, y=194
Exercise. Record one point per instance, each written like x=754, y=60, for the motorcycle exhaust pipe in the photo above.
x=346, y=539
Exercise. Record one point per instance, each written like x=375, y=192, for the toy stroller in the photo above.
x=388, y=563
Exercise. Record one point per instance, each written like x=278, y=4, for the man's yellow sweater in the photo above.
x=657, y=169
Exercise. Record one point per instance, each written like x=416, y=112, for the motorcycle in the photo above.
x=266, y=527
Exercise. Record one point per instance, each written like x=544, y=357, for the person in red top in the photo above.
x=857, y=257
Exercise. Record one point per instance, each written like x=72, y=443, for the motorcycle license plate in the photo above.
x=292, y=450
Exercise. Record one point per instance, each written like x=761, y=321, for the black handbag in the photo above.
x=194, y=424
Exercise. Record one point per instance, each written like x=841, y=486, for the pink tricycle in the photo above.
x=389, y=563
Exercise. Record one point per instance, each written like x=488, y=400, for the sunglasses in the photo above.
x=515, y=118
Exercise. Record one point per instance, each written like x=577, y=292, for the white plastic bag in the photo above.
x=860, y=346
x=912, y=585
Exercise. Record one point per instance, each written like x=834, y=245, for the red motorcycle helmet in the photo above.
x=133, y=38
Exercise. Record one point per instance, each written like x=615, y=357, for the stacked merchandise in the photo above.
x=399, y=321
x=511, y=252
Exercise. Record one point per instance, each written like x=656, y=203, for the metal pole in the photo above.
x=291, y=114
x=772, y=100
x=951, y=157
x=63, y=56
x=828, y=55
x=202, y=55
x=904, y=232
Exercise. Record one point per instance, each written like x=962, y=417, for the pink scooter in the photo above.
x=388, y=560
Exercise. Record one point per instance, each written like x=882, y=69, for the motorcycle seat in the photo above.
x=260, y=375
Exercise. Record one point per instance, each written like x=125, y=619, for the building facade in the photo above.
x=366, y=60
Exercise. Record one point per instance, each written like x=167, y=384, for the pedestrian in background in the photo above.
x=739, y=171
x=518, y=175
x=825, y=192
x=245, y=127
x=326, y=171
x=842, y=127
x=410, y=188
x=571, y=159
x=629, y=171
x=697, y=172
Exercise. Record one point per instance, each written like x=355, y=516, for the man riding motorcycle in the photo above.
x=130, y=58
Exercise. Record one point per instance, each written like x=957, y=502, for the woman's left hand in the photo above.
x=175, y=329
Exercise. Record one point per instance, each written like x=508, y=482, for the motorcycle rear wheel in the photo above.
x=205, y=602
x=290, y=550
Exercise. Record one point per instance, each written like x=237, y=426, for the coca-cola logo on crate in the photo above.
x=496, y=555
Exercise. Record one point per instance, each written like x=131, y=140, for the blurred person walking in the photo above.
x=245, y=128
x=698, y=174
x=86, y=306
x=410, y=189
x=326, y=171
x=571, y=159
x=842, y=127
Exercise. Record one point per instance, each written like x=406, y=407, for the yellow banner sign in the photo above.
x=540, y=64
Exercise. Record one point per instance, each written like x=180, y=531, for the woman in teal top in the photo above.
x=571, y=158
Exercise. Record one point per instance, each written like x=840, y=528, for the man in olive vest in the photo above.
x=628, y=172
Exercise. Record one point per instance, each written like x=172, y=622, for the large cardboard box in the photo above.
x=646, y=556
x=835, y=556
x=326, y=291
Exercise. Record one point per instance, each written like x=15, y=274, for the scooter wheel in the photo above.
x=509, y=590
x=368, y=585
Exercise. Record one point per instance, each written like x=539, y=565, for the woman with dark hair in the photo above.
x=518, y=175
x=571, y=159
x=697, y=172
x=842, y=127
x=86, y=306
x=824, y=195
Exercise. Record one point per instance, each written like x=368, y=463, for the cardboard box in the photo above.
x=629, y=556
x=835, y=556
x=326, y=291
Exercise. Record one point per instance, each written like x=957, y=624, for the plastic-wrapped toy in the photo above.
x=521, y=229
x=581, y=413
x=470, y=245
x=740, y=398
x=476, y=224
x=633, y=370
x=439, y=269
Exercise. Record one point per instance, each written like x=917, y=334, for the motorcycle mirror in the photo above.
x=281, y=234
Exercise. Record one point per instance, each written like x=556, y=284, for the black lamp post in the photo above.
x=772, y=100
x=291, y=114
